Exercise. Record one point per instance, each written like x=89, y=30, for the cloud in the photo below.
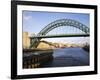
x=27, y=17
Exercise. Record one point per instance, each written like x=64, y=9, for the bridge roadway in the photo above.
x=60, y=35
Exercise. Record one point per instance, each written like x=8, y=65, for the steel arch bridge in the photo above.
x=59, y=23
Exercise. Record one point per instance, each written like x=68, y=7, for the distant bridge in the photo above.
x=35, y=40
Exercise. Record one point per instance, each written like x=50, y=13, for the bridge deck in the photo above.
x=62, y=35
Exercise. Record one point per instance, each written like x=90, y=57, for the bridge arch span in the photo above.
x=59, y=23
x=64, y=22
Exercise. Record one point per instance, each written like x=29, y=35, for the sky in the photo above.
x=35, y=21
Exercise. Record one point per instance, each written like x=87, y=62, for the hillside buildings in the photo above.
x=26, y=40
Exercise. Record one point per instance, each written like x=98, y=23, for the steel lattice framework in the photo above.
x=56, y=24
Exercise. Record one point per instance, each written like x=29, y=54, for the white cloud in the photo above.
x=27, y=17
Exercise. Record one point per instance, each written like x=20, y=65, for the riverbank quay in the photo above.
x=34, y=58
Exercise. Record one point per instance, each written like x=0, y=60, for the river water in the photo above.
x=69, y=57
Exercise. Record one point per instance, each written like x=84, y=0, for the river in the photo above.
x=68, y=57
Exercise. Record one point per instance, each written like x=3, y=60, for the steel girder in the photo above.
x=59, y=23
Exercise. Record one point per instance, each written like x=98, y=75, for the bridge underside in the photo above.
x=36, y=39
x=62, y=35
